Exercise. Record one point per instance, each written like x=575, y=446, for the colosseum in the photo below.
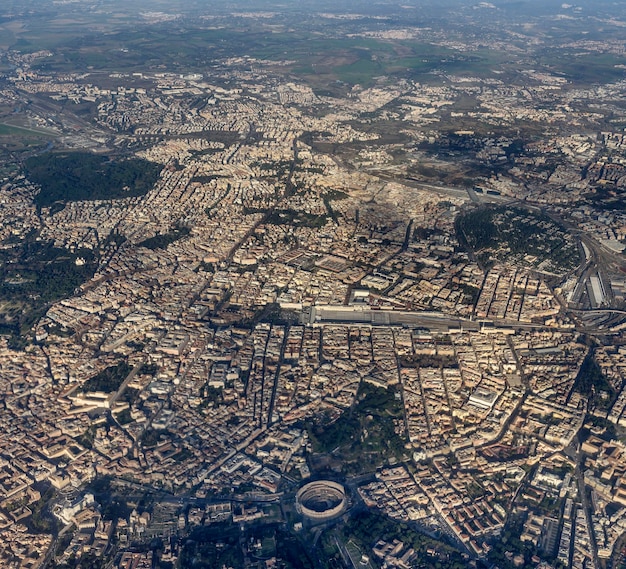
x=321, y=500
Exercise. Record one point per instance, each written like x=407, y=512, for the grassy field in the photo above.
x=312, y=55
x=16, y=139
x=13, y=130
x=321, y=49
x=356, y=556
x=317, y=59
x=584, y=68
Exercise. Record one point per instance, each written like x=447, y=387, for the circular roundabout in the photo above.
x=321, y=500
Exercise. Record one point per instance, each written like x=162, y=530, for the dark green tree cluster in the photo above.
x=109, y=379
x=297, y=218
x=162, y=240
x=36, y=274
x=42, y=520
x=78, y=176
x=149, y=369
x=151, y=437
x=510, y=543
x=592, y=383
x=208, y=547
x=124, y=417
x=364, y=436
x=88, y=437
x=366, y=528
x=492, y=232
